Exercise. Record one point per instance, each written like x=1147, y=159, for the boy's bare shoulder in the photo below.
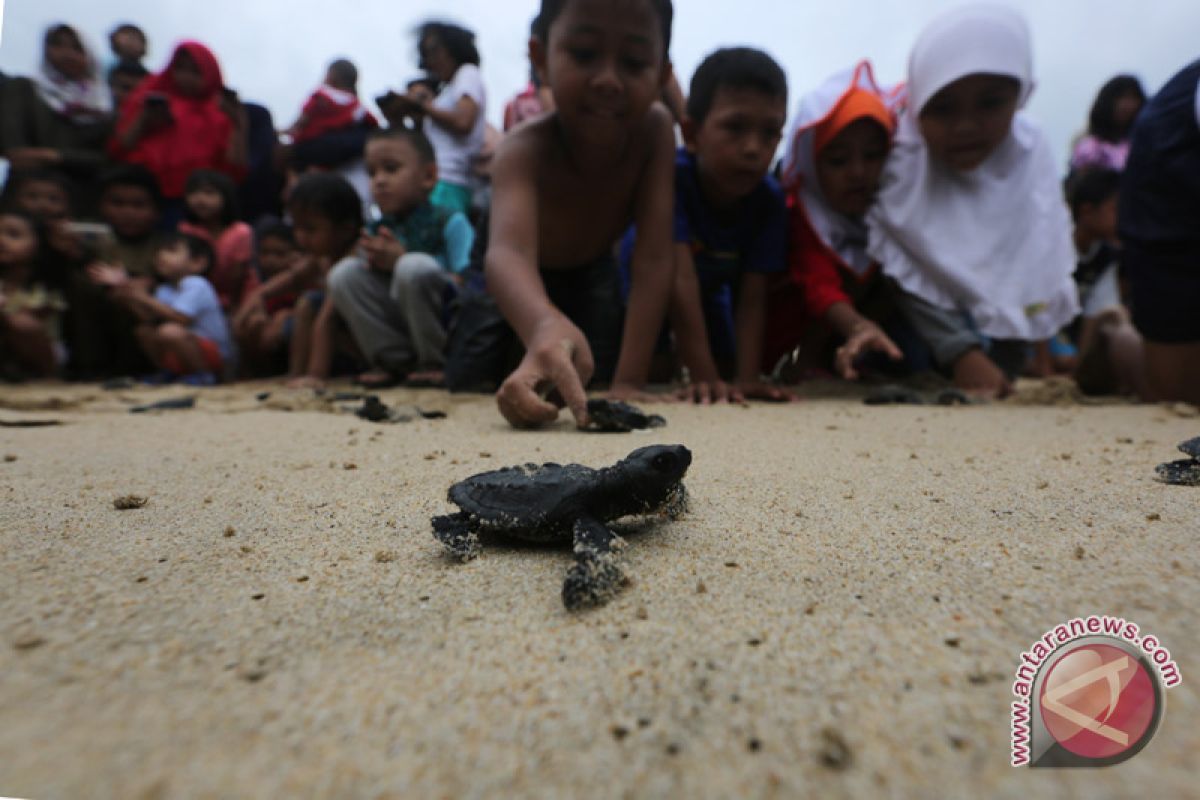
x=529, y=144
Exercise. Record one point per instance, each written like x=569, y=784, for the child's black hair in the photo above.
x=35, y=224
x=1102, y=122
x=414, y=136
x=127, y=66
x=18, y=179
x=271, y=228
x=222, y=184
x=1091, y=187
x=734, y=68
x=132, y=175
x=127, y=27
x=327, y=195
x=550, y=10
x=196, y=247
x=344, y=71
x=458, y=41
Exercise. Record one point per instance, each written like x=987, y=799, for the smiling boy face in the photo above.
x=736, y=142
x=605, y=65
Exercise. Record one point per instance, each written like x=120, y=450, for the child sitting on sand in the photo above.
x=395, y=302
x=837, y=302
x=565, y=186
x=730, y=222
x=334, y=106
x=29, y=310
x=1110, y=360
x=262, y=322
x=326, y=219
x=1160, y=232
x=970, y=222
x=182, y=328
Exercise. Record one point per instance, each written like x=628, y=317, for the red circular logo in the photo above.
x=1097, y=701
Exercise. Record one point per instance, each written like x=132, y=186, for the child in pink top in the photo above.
x=211, y=213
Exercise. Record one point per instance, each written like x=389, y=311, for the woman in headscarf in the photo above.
x=970, y=222
x=61, y=117
x=835, y=293
x=181, y=120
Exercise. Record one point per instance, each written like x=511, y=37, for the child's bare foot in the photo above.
x=377, y=379
x=426, y=379
x=978, y=375
x=305, y=382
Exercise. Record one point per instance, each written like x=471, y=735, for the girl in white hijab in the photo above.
x=970, y=222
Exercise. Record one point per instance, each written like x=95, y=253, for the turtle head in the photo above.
x=653, y=473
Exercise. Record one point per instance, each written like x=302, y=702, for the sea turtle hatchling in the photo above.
x=1185, y=472
x=616, y=416
x=568, y=503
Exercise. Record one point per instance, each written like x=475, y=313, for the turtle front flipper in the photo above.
x=455, y=532
x=595, y=578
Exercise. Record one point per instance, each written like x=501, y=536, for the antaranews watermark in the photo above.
x=1089, y=693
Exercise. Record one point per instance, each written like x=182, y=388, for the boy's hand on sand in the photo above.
x=557, y=358
x=708, y=392
x=865, y=336
x=382, y=250
x=978, y=375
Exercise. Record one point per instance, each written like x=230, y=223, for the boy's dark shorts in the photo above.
x=1165, y=291
x=483, y=349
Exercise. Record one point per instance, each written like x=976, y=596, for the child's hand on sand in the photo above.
x=708, y=392
x=865, y=336
x=557, y=358
x=978, y=375
x=382, y=250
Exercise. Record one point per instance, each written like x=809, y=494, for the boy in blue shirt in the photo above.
x=730, y=223
x=394, y=302
x=181, y=328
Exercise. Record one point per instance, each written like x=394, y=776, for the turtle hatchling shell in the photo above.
x=1191, y=447
x=520, y=497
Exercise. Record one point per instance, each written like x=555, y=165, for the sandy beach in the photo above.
x=840, y=614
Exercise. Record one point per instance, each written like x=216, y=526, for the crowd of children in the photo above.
x=156, y=225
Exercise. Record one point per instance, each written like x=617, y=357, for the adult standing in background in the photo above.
x=455, y=118
x=61, y=117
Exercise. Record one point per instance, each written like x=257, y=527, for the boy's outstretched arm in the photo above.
x=653, y=268
x=691, y=334
x=557, y=354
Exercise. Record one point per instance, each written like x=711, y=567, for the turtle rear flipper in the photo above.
x=454, y=531
x=595, y=578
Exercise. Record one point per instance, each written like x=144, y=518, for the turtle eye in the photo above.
x=663, y=462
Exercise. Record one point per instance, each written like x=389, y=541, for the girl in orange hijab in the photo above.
x=835, y=292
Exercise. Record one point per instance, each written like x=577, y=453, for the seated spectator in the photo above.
x=179, y=121
x=61, y=117
x=210, y=211
x=123, y=78
x=127, y=43
x=395, y=304
x=30, y=341
x=181, y=327
x=1110, y=125
x=334, y=106
x=262, y=324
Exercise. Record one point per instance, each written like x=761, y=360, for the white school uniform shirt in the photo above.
x=994, y=242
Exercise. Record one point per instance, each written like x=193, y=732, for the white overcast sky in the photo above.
x=274, y=51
